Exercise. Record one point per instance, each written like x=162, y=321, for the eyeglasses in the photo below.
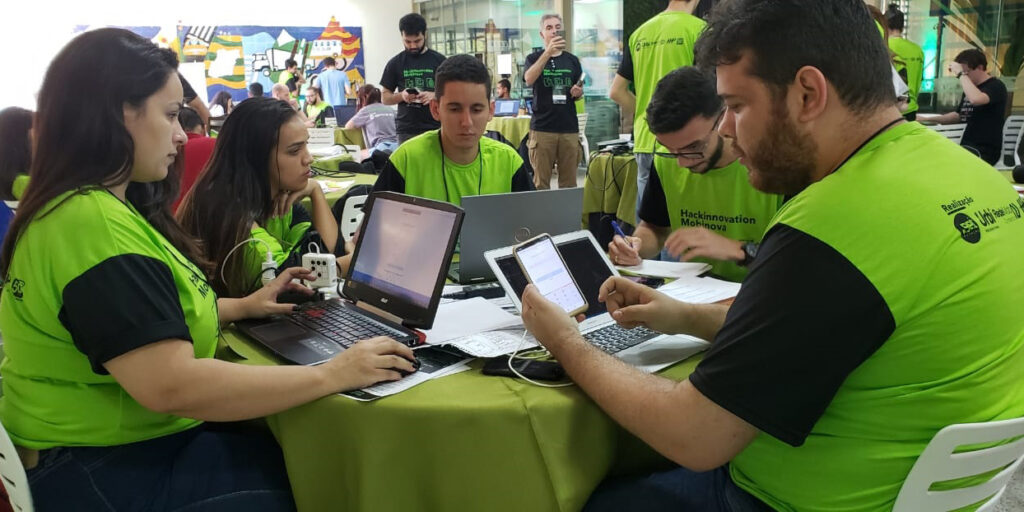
x=698, y=151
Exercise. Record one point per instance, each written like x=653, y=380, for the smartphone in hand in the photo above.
x=544, y=267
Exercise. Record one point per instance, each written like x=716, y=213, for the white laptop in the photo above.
x=642, y=348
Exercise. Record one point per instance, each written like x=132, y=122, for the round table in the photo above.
x=515, y=129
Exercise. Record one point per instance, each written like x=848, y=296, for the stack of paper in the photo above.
x=328, y=186
x=700, y=290
x=666, y=269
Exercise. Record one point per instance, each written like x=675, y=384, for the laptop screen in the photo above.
x=585, y=263
x=403, y=252
x=506, y=107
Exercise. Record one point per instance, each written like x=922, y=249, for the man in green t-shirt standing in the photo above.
x=874, y=316
x=556, y=77
x=292, y=78
x=663, y=43
x=456, y=160
x=909, y=59
x=698, y=203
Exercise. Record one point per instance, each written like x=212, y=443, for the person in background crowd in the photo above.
x=192, y=100
x=661, y=44
x=408, y=79
x=504, y=90
x=556, y=78
x=196, y=151
x=376, y=119
x=111, y=392
x=255, y=90
x=982, y=106
x=292, y=78
x=909, y=59
x=221, y=104
x=280, y=92
x=316, y=109
x=334, y=83
x=15, y=151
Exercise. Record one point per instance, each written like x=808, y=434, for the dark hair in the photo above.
x=256, y=89
x=222, y=98
x=290, y=63
x=329, y=62
x=683, y=94
x=319, y=93
x=189, y=119
x=412, y=24
x=80, y=137
x=505, y=83
x=238, y=169
x=894, y=18
x=972, y=58
x=461, y=68
x=15, y=147
x=781, y=36
x=367, y=95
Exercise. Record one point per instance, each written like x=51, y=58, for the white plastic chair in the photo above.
x=953, y=132
x=939, y=463
x=582, y=118
x=1013, y=132
x=13, y=474
x=351, y=216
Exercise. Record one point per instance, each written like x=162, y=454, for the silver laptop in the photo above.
x=645, y=349
x=498, y=220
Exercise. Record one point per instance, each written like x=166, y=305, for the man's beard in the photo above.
x=783, y=161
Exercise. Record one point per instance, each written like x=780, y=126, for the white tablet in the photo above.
x=586, y=260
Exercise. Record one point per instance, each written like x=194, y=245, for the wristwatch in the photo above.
x=749, y=253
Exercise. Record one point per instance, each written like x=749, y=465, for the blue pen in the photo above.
x=618, y=231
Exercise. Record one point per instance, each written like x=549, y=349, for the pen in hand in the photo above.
x=618, y=231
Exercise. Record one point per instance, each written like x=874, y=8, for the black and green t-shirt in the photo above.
x=408, y=71
x=663, y=43
x=91, y=280
x=419, y=168
x=554, y=109
x=284, y=237
x=875, y=314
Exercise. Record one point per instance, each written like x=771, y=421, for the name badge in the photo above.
x=558, y=99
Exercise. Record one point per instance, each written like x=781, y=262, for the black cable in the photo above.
x=331, y=173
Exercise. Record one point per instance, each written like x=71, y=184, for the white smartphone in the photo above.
x=544, y=267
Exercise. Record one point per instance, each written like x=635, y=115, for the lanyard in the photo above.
x=444, y=174
x=869, y=139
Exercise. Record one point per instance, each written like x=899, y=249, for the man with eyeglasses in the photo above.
x=698, y=203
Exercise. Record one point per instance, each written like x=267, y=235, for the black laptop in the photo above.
x=394, y=283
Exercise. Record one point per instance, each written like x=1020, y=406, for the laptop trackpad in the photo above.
x=278, y=330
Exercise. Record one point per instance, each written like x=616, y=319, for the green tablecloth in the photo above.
x=515, y=129
x=610, y=186
x=346, y=136
x=334, y=195
x=462, y=442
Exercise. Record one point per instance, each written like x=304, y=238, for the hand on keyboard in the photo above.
x=368, y=362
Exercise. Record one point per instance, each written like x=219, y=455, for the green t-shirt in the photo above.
x=281, y=236
x=662, y=44
x=910, y=57
x=721, y=200
x=419, y=168
x=90, y=280
x=937, y=233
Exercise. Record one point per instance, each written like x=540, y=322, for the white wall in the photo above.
x=32, y=33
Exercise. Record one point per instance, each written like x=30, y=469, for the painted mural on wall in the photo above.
x=236, y=56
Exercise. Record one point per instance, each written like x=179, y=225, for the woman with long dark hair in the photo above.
x=222, y=104
x=15, y=149
x=262, y=164
x=110, y=328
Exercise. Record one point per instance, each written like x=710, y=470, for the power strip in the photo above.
x=324, y=266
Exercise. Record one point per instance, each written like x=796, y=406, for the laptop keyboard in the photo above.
x=613, y=339
x=343, y=326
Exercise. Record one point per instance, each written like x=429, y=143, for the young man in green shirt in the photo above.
x=663, y=43
x=909, y=59
x=874, y=315
x=292, y=78
x=456, y=160
x=698, y=203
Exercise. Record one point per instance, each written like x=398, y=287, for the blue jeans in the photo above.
x=675, y=490
x=222, y=467
x=385, y=146
x=644, y=165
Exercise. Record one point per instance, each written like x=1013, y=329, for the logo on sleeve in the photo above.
x=18, y=288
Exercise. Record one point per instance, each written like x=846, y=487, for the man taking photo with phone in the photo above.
x=556, y=78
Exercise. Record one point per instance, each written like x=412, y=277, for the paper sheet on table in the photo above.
x=329, y=186
x=468, y=317
x=435, y=362
x=700, y=290
x=493, y=343
x=667, y=269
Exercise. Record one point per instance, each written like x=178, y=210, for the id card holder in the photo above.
x=558, y=99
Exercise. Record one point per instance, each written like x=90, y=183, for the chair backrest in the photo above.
x=582, y=118
x=940, y=462
x=1013, y=129
x=351, y=216
x=13, y=474
x=953, y=132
